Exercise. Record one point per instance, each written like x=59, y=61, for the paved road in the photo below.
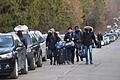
x=106, y=67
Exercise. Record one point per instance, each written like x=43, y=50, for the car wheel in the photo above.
x=25, y=70
x=39, y=62
x=32, y=64
x=14, y=74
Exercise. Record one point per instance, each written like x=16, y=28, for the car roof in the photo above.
x=6, y=34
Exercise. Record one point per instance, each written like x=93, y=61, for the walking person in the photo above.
x=51, y=40
x=88, y=38
x=99, y=38
x=70, y=48
x=78, y=42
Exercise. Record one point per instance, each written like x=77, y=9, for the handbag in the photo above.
x=59, y=45
x=69, y=44
x=82, y=53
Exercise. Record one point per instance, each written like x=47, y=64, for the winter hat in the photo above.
x=52, y=30
x=88, y=27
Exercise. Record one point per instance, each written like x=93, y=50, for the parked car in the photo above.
x=13, y=57
x=106, y=40
x=118, y=31
x=42, y=42
x=112, y=38
x=62, y=36
x=115, y=34
x=34, y=52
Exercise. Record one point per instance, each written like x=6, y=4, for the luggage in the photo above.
x=60, y=56
x=59, y=51
x=82, y=53
x=69, y=44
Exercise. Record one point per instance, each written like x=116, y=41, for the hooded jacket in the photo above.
x=88, y=36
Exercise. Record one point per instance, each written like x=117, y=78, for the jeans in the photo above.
x=69, y=54
x=88, y=48
x=65, y=54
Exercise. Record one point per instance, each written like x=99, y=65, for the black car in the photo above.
x=34, y=52
x=12, y=56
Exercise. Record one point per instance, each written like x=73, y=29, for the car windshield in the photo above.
x=6, y=41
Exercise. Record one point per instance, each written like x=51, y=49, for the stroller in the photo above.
x=59, y=50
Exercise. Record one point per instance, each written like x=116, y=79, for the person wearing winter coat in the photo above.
x=99, y=38
x=51, y=40
x=70, y=48
x=78, y=42
x=88, y=38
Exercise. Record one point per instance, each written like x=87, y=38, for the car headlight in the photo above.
x=6, y=56
x=28, y=50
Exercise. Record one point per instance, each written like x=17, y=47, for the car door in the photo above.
x=43, y=47
x=35, y=47
x=21, y=52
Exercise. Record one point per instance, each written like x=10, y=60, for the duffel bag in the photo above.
x=82, y=53
x=69, y=44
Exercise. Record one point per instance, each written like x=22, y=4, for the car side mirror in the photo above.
x=20, y=45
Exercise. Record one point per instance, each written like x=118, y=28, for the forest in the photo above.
x=45, y=14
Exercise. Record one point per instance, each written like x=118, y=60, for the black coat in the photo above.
x=99, y=37
x=69, y=37
x=78, y=38
x=88, y=38
x=52, y=40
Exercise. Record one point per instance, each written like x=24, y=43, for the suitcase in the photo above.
x=60, y=56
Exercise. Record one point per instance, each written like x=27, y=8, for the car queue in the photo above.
x=20, y=51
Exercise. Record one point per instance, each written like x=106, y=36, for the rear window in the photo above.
x=39, y=37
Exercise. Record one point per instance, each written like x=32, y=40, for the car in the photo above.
x=62, y=36
x=45, y=36
x=118, y=31
x=34, y=52
x=42, y=42
x=112, y=38
x=106, y=40
x=116, y=35
x=13, y=57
